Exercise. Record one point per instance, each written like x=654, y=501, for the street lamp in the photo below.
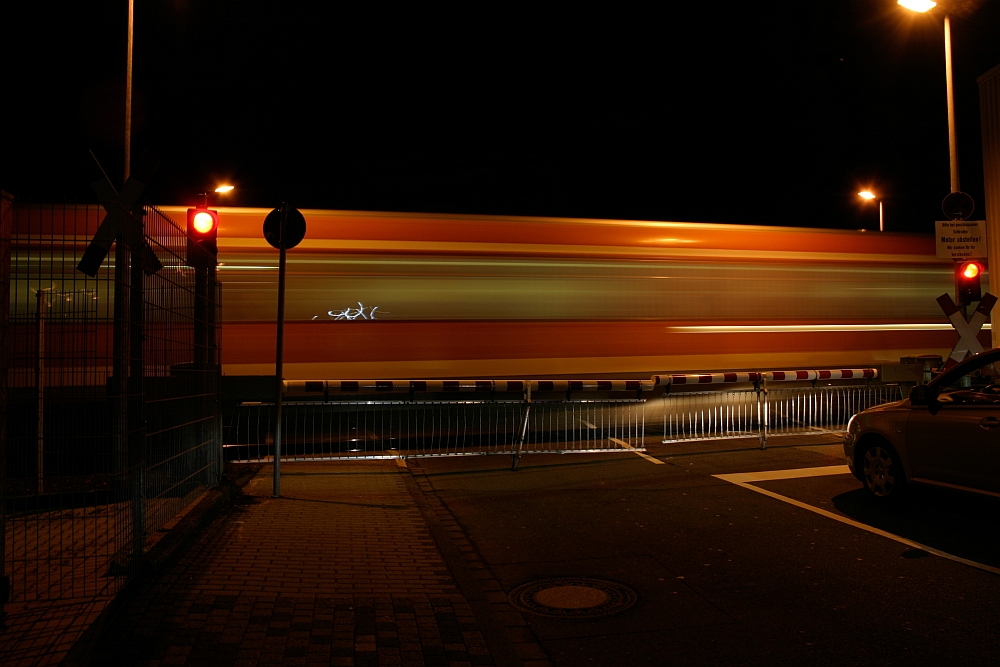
x=223, y=189
x=868, y=195
x=922, y=6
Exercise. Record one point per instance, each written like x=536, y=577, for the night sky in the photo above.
x=765, y=113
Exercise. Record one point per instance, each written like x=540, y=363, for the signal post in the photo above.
x=203, y=252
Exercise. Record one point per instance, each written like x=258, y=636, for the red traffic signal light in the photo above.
x=967, y=287
x=204, y=222
x=202, y=230
x=971, y=270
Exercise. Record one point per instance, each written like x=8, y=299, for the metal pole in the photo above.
x=214, y=369
x=201, y=307
x=881, y=218
x=5, y=233
x=516, y=458
x=279, y=356
x=40, y=382
x=763, y=414
x=128, y=94
x=134, y=421
x=952, y=141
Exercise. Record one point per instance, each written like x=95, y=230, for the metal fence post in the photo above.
x=137, y=370
x=41, y=304
x=516, y=458
x=5, y=243
x=763, y=413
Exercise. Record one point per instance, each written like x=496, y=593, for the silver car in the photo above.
x=947, y=433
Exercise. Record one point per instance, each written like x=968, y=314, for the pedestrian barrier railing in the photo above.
x=337, y=418
x=763, y=412
x=441, y=418
x=436, y=427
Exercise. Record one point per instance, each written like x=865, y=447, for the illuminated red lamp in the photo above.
x=971, y=270
x=204, y=222
x=967, y=287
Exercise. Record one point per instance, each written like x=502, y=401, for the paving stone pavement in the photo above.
x=341, y=570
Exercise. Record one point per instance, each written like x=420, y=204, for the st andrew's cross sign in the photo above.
x=967, y=330
x=119, y=223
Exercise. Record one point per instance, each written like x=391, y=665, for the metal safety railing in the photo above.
x=425, y=421
x=763, y=413
x=336, y=418
x=435, y=428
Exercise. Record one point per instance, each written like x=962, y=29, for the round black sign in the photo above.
x=295, y=228
x=958, y=206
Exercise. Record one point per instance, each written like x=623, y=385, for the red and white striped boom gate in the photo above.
x=332, y=388
x=766, y=376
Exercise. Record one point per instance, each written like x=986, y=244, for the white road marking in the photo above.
x=745, y=479
x=588, y=423
x=642, y=454
x=796, y=473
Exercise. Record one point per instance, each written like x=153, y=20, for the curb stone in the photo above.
x=477, y=583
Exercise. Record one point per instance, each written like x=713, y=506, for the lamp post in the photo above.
x=868, y=195
x=224, y=189
x=128, y=93
x=922, y=6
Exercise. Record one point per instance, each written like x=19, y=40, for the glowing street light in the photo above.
x=922, y=6
x=223, y=189
x=868, y=195
x=918, y=5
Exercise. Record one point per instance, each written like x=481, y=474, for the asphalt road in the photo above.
x=726, y=575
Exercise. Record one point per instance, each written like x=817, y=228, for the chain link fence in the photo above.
x=111, y=405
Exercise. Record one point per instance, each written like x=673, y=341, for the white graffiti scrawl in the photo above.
x=351, y=313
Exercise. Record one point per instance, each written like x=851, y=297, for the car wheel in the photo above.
x=881, y=471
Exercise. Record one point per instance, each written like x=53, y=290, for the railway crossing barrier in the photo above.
x=762, y=412
x=412, y=418
x=393, y=418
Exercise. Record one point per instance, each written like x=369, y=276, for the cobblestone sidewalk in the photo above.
x=341, y=570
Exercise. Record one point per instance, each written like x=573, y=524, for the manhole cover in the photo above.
x=573, y=597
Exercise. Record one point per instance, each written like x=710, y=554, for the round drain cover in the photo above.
x=573, y=597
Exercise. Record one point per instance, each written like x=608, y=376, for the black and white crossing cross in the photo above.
x=119, y=221
x=967, y=343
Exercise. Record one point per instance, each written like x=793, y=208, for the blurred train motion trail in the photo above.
x=395, y=295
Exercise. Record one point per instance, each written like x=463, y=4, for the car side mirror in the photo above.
x=920, y=395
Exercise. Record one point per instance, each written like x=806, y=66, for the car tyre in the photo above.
x=882, y=471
